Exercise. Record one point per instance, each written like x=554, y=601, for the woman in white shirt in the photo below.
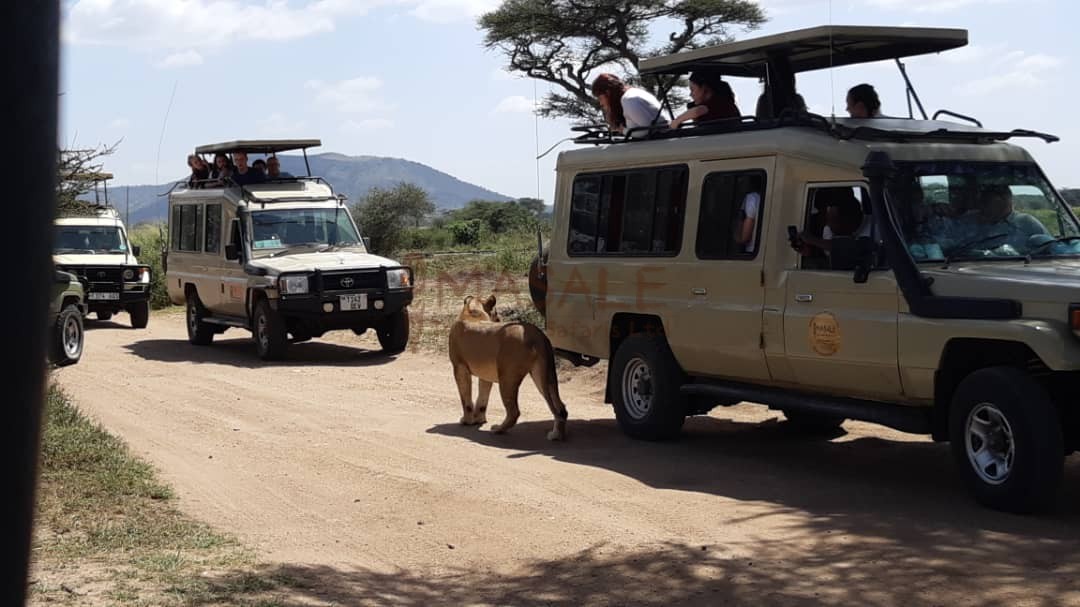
x=626, y=107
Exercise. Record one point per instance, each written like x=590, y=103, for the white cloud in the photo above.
x=181, y=59
x=444, y=11
x=120, y=124
x=373, y=124
x=356, y=95
x=515, y=104
x=1013, y=70
x=278, y=125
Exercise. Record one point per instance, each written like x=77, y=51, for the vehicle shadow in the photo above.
x=900, y=491
x=241, y=353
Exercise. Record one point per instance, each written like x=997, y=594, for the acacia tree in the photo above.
x=565, y=41
x=78, y=170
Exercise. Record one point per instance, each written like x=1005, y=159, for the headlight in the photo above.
x=129, y=274
x=293, y=285
x=398, y=279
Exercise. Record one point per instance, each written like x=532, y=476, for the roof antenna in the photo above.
x=832, y=84
x=161, y=138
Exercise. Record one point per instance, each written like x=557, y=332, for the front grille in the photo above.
x=104, y=274
x=353, y=281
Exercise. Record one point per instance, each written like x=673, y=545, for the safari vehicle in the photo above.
x=66, y=310
x=281, y=258
x=955, y=314
x=94, y=246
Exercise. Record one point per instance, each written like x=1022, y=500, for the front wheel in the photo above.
x=140, y=314
x=271, y=338
x=104, y=316
x=393, y=332
x=68, y=337
x=1006, y=437
x=199, y=332
x=645, y=387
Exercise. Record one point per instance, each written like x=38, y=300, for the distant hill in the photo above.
x=353, y=176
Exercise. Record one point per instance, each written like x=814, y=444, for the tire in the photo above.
x=394, y=332
x=645, y=381
x=814, y=423
x=199, y=333
x=67, y=337
x=538, y=284
x=1007, y=440
x=104, y=316
x=359, y=331
x=140, y=314
x=271, y=338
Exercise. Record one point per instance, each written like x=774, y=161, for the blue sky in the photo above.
x=410, y=79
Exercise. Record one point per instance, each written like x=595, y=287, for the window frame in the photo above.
x=206, y=226
x=176, y=227
x=864, y=202
x=602, y=212
x=763, y=174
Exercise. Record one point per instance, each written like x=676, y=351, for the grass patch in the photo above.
x=107, y=530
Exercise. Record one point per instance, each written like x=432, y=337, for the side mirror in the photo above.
x=136, y=250
x=367, y=243
x=231, y=253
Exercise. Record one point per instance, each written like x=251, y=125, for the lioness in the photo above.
x=501, y=353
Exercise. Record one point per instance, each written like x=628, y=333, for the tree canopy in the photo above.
x=384, y=213
x=77, y=172
x=568, y=42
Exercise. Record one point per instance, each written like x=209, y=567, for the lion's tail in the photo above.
x=558, y=408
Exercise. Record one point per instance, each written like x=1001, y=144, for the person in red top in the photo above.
x=713, y=100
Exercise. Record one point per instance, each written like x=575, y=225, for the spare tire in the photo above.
x=538, y=281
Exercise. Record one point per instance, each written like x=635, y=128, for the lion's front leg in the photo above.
x=463, y=378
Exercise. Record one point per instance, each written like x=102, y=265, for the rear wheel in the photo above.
x=393, y=332
x=140, y=314
x=67, y=343
x=103, y=316
x=199, y=332
x=1006, y=437
x=271, y=338
x=645, y=386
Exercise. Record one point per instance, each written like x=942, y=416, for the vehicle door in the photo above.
x=840, y=335
x=724, y=294
x=233, y=279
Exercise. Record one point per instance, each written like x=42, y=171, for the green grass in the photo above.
x=107, y=530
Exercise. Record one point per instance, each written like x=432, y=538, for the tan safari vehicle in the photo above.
x=281, y=258
x=945, y=301
x=94, y=246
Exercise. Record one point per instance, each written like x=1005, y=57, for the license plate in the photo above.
x=353, y=302
x=101, y=295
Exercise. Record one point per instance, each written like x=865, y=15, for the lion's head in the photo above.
x=474, y=309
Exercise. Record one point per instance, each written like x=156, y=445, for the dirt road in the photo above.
x=349, y=469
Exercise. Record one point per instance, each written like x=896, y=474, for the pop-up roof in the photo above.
x=809, y=49
x=258, y=146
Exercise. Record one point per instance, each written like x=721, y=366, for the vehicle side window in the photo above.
x=631, y=213
x=832, y=211
x=213, y=228
x=729, y=225
x=187, y=227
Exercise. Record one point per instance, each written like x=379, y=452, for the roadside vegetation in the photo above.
x=107, y=530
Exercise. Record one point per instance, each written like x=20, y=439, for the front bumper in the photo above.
x=323, y=312
x=111, y=296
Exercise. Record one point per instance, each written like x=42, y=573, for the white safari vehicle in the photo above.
x=281, y=258
x=94, y=246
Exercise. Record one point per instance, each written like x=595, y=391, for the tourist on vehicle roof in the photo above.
x=200, y=171
x=626, y=107
x=764, y=109
x=713, y=100
x=273, y=169
x=245, y=175
x=259, y=165
x=863, y=102
x=223, y=167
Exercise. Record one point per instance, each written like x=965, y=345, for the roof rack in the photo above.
x=873, y=129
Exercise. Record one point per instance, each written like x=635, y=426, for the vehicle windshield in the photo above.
x=88, y=239
x=321, y=229
x=975, y=210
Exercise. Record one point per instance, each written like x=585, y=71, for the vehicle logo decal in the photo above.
x=347, y=282
x=825, y=334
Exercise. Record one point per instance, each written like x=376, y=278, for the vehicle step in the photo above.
x=225, y=321
x=915, y=420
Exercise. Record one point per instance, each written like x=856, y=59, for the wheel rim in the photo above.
x=192, y=319
x=988, y=438
x=637, y=386
x=260, y=332
x=71, y=337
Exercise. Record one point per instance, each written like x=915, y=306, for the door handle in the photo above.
x=698, y=291
x=804, y=298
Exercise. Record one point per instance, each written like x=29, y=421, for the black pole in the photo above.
x=35, y=28
x=911, y=89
